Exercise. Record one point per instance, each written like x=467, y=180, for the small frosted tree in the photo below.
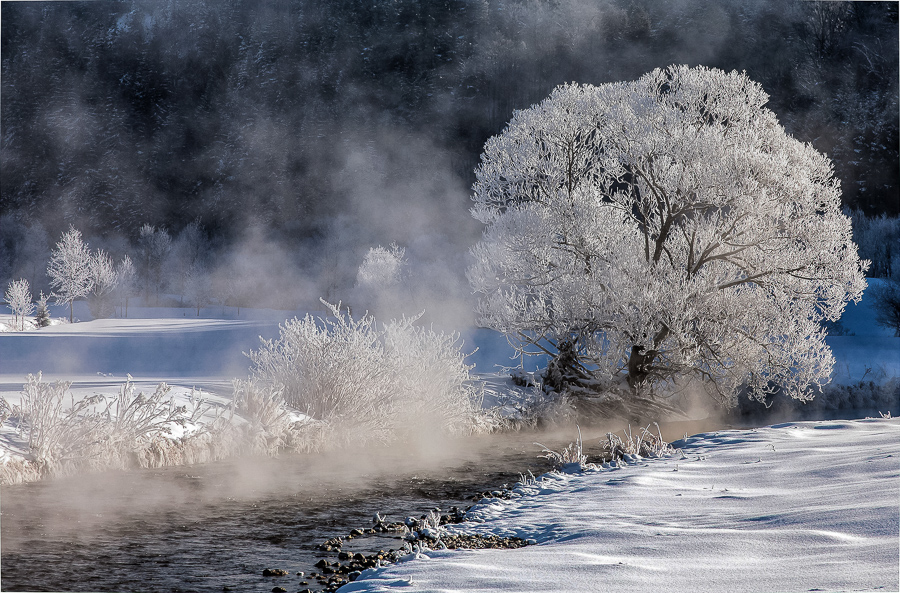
x=155, y=245
x=188, y=254
x=379, y=280
x=196, y=286
x=885, y=299
x=649, y=233
x=382, y=266
x=18, y=295
x=42, y=311
x=103, y=285
x=126, y=282
x=70, y=270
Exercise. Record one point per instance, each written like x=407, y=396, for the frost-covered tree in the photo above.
x=379, y=280
x=886, y=302
x=660, y=231
x=42, y=311
x=885, y=298
x=196, y=286
x=878, y=238
x=126, y=282
x=155, y=245
x=18, y=296
x=382, y=266
x=103, y=285
x=70, y=269
x=188, y=255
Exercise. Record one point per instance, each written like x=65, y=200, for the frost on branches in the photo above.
x=652, y=233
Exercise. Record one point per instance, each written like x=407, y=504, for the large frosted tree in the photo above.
x=663, y=232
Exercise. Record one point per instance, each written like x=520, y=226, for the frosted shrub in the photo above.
x=572, y=457
x=95, y=432
x=330, y=370
x=57, y=433
x=270, y=428
x=644, y=444
x=134, y=420
x=431, y=377
x=261, y=407
x=370, y=381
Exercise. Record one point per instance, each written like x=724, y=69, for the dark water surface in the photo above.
x=204, y=528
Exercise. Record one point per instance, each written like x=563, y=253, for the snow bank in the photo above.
x=792, y=507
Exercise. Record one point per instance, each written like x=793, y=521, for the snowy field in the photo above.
x=793, y=507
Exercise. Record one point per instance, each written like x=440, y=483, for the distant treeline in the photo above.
x=117, y=114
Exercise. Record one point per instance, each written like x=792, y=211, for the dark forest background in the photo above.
x=328, y=126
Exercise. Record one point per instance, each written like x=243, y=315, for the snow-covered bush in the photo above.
x=18, y=296
x=270, y=428
x=430, y=377
x=371, y=382
x=382, y=267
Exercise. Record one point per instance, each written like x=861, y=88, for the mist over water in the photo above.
x=204, y=527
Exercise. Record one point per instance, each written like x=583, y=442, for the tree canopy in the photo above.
x=662, y=232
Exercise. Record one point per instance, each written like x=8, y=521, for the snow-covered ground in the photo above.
x=794, y=507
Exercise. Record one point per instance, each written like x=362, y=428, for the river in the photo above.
x=218, y=525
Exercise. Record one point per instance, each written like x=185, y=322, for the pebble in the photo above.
x=275, y=572
x=332, y=575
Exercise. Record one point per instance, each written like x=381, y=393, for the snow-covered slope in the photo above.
x=793, y=507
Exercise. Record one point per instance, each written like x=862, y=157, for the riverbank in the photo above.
x=791, y=507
